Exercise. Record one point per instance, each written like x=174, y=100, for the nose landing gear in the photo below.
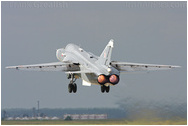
x=72, y=87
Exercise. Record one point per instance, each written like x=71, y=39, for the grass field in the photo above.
x=97, y=122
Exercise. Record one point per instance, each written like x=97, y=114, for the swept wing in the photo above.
x=56, y=66
x=131, y=67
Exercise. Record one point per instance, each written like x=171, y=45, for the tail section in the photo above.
x=105, y=56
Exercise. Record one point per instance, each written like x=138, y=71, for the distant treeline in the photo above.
x=128, y=110
x=112, y=113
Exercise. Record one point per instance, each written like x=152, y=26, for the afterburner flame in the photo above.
x=114, y=79
x=102, y=79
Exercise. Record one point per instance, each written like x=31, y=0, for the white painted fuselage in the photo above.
x=88, y=63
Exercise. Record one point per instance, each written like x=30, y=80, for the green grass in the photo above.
x=97, y=122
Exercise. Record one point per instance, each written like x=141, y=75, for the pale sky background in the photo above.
x=143, y=32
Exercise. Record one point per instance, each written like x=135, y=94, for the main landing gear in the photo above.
x=105, y=88
x=72, y=87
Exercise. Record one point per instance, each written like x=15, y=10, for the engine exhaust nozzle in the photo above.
x=114, y=79
x=102, y=79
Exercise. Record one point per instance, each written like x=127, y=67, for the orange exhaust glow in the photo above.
x=102, y=79
x=114, y=79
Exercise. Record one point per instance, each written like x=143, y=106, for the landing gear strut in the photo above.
x=105, y=88
x=72, y=87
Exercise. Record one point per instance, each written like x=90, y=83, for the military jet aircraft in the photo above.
x=92, y=69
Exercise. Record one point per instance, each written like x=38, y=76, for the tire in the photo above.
x=70, y=88
x=107, y=89
x=102, y=88
x=74, y=88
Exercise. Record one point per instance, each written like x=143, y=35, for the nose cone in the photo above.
x=57, y=54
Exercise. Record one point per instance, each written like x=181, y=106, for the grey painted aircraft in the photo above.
x=77, y=63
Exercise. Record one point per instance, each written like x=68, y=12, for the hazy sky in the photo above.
x=143, y=32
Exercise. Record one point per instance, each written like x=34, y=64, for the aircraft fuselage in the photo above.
x=87, y=62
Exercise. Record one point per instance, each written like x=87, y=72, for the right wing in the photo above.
x=131, y=67
x=56, y=66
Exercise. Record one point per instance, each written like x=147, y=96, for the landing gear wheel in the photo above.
x=74, y=88
x=102, y=88
x=107, y=89
x=70, y=88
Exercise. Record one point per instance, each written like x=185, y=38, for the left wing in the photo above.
x=131, y=67
x=56, y=66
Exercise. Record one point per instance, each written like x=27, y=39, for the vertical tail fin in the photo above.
x=105, y=56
